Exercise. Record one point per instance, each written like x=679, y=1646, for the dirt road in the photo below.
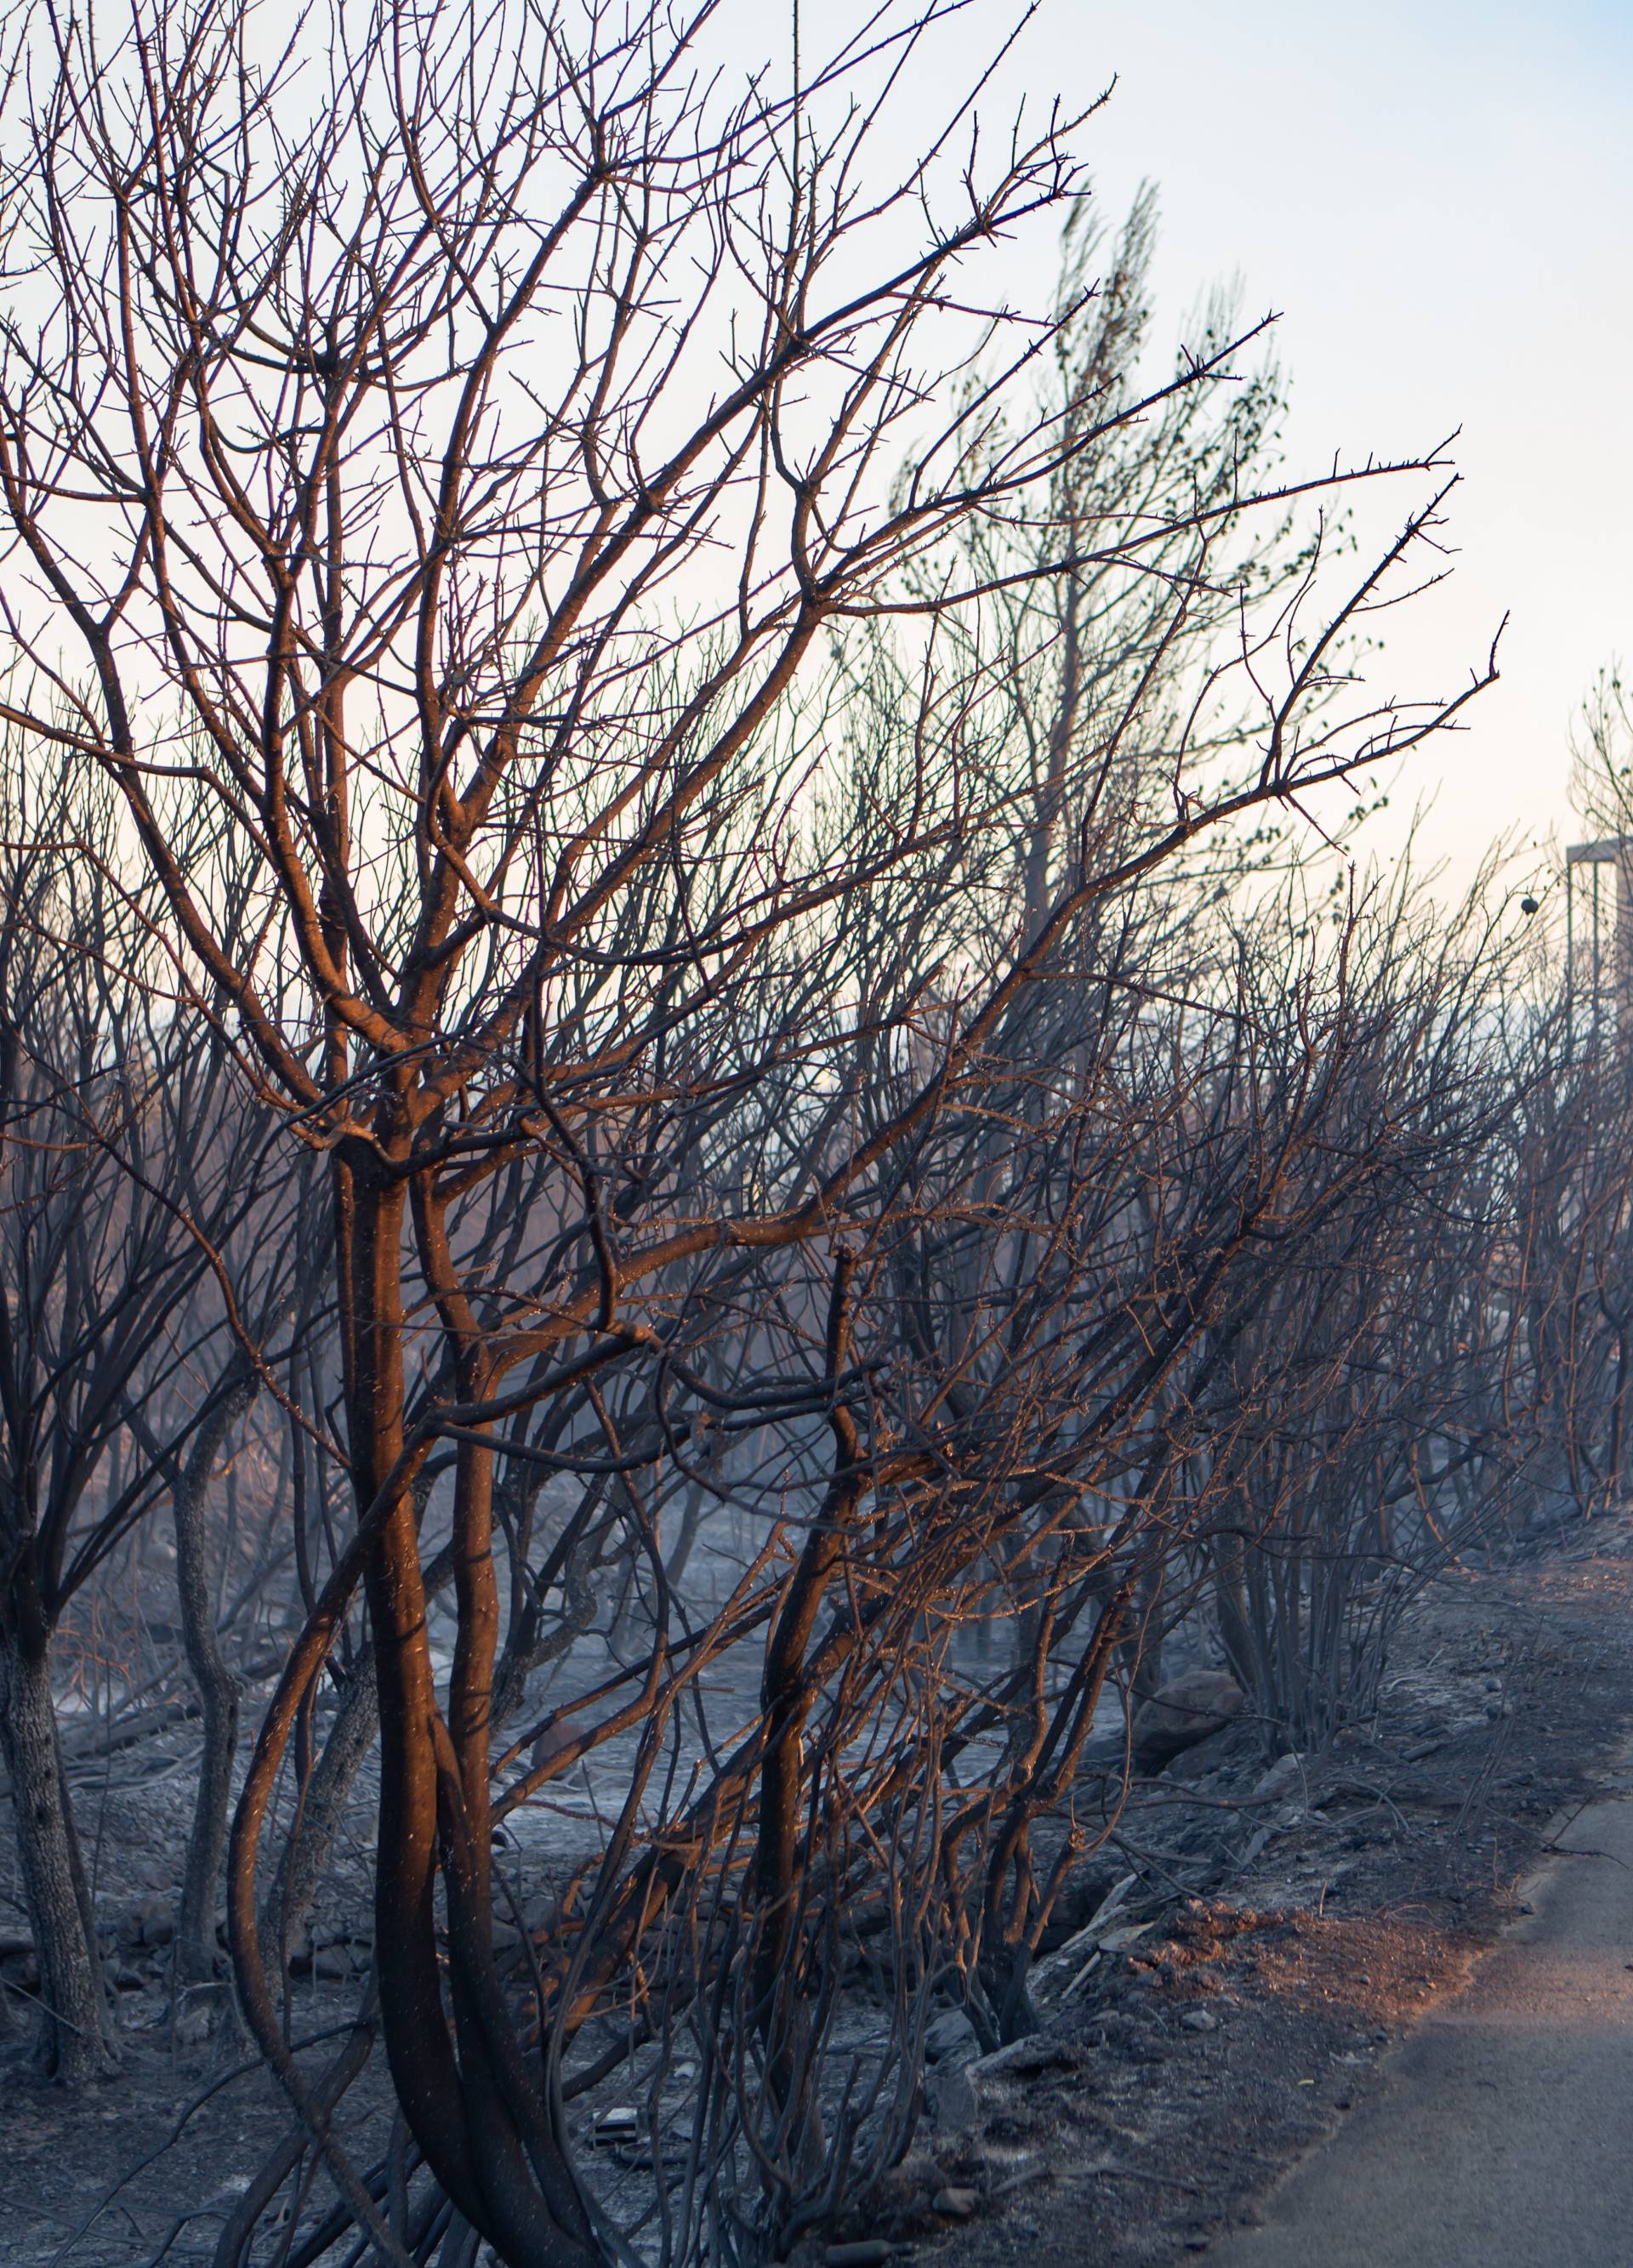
x=1502, y=2136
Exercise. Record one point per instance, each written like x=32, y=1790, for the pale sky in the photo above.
x=1438, y=199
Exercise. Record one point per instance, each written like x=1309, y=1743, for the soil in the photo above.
x=1196, y=2040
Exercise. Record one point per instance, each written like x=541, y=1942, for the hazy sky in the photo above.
x=1438, y=199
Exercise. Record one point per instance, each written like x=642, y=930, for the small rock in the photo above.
x=1023, y=2058
x=193, y=2027
x=127, y=1979
x=1020, y=2059
x=950, y=2034
x=620, y=2123
x=1180, y=1715
x=1200, y=2020
x=333, y=1962
x=1283, y=1782
x=866, y=2252
x=150, y=1921
x=955, y=2205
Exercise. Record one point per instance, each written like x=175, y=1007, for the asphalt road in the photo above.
x=1502, y=2136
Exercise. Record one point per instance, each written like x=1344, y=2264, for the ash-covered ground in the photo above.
x=1227, y=1972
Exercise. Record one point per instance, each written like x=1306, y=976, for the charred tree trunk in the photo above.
x=327, y=1790
x=476, y=2115
x=216, y=1685
x=322, y=1808
x=788, y=1694
x=1016, y=1905
x=76, y=2034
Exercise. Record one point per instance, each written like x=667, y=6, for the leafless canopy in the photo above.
x=645, y=696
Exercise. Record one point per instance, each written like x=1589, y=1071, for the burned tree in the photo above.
x=492, y=433
x=130, y=1174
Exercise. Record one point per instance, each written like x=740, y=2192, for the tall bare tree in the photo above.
x=455, y=446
